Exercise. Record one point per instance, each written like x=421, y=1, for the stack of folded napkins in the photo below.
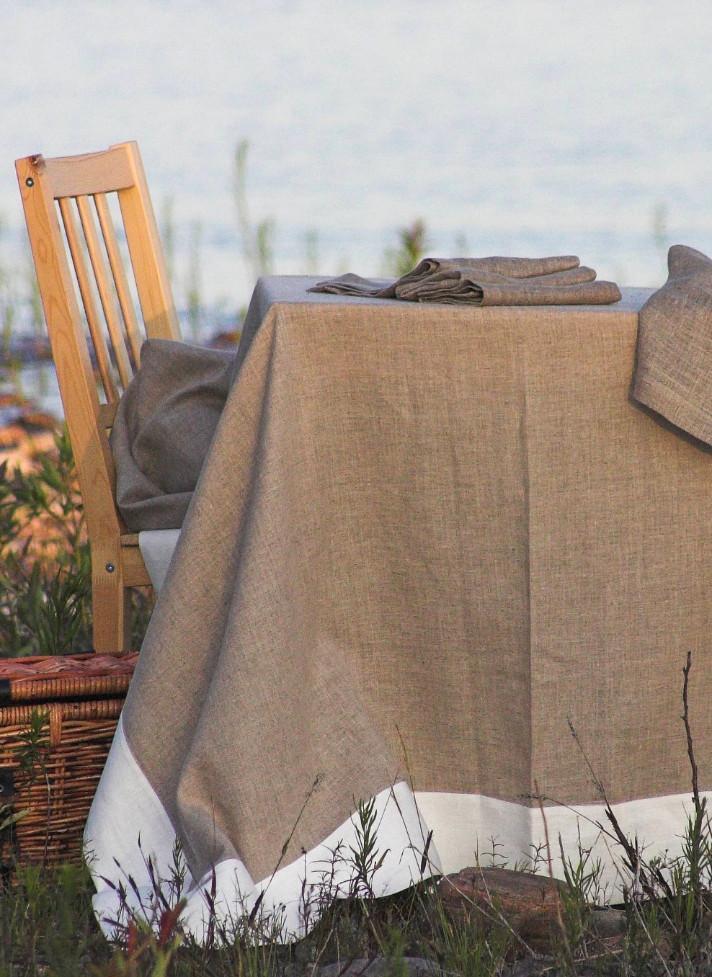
x=559, y=280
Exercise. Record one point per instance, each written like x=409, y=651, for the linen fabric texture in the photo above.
x=673, y=374
x=556, y=280
x=163, y=428
x=425, y=542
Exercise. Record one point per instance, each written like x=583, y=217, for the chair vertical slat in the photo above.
x=119, y=273
x=147, y=261
x=98, y=263
x=95, y=328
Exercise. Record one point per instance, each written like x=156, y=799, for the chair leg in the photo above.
x=110, y=611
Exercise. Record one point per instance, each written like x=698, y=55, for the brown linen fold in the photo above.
x=557, y=280
x=673, y=373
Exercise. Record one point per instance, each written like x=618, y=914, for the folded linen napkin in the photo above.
x=673, y=373
x=557, y=280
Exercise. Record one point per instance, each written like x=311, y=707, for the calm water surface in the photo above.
x=524, y=126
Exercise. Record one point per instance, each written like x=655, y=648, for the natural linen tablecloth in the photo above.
x=424, y=540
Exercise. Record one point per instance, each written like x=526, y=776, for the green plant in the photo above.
x=45, y=565
x=9, y=817
x=32, y=752
x=660, y=230
x=311, y=252
x=257, y=240
x=194, y=299
x=412, y=242
x=46, y=925
x=365, y=858
x=44, y=558
x=145, y=952
x=582, y=876
x=471, y=947
x=168, y=235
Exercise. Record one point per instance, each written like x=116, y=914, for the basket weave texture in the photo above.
x=57, y=720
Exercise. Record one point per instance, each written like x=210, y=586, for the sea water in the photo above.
x=512, y=127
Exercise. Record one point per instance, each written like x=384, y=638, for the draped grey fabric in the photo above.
x=673, y=374
x=163, y=428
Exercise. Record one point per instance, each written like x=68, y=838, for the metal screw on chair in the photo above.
x=110, y=567
x=29, y=182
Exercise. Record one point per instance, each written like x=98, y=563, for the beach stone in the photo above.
x=529, y=966
x=608, y=923
x=526, y=901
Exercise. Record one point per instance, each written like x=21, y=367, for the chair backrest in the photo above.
x=79, y=260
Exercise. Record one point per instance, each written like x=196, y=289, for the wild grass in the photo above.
x=661, y=928
x=47, y=927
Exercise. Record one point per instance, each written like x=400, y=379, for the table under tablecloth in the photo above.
x=426, y=542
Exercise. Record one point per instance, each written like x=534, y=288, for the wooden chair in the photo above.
x=68, y=210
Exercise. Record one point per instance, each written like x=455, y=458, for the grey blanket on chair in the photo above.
x=163, y=428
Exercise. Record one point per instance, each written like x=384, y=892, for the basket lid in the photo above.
x=51, y=677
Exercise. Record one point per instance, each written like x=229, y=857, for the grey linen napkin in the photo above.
x=673, y=373
x=557, y=280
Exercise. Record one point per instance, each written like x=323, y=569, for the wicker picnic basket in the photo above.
x=57, y=720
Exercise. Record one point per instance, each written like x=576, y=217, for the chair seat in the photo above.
x=157, y=548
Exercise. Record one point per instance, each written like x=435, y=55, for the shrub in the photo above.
x=45, y=575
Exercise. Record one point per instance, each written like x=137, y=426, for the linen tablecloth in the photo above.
x=426, y=540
